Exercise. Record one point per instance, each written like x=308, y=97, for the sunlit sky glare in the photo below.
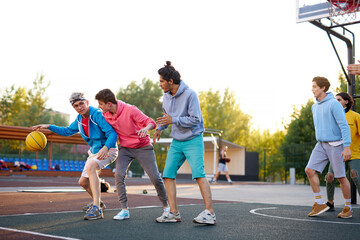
x=255, y=48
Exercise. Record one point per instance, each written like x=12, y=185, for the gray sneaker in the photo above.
x=89, y=206
x=94, y=213
x=168, y=216
x=205, y=217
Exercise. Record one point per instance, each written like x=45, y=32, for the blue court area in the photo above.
x=44, y=164
x=234, y=221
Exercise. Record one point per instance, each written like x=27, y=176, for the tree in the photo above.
x=145, y=96
x=271, y=161
x=22, y=107
x=299, y=140
x=224, y=113
x=301, y=128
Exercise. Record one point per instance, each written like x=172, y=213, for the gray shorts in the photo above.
x=354, y=164
x=324, y=153
x=222, y=167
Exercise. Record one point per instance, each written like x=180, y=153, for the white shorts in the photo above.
x=113, y=153
x=222, y=168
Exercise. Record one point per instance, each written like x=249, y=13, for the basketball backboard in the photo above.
x=310, y=10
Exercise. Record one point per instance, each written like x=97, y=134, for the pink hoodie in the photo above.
x=128, y=120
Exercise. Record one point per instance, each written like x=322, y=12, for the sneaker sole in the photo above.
x=121, y=218
x=322, y=211
x=345, y=217
x=168, y=221
x=93, y=218
x=207, y=223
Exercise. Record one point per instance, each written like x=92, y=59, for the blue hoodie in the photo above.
x=330, y=121
x=100, y=132
x=184, y=108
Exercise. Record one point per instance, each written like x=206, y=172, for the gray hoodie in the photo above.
x=184, y=108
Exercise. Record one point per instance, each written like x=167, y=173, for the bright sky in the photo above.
x=255, y=48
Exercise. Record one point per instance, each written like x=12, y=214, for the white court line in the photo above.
x=37, y=234
x=253, y=211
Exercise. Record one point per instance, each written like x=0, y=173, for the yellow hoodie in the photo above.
x=353, y=119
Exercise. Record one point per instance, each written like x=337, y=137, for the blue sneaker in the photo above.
x=94, y=213
x=123, y=214
x=88, y=206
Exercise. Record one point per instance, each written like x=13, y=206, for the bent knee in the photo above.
x=329, y=177
x=353, y=173
x=310, y=172
x=119, y=177
x=92, y=166
x=84, y=182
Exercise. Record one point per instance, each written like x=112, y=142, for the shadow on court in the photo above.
x=234, y=221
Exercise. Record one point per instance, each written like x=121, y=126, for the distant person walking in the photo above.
x=132, y=127
x=353, y=120
x=333, y=145
x=222, y=166
x=181, y=109
x=101, y=138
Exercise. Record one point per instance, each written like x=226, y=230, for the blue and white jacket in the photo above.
x=100, y=132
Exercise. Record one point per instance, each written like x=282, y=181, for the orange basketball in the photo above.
x=36, y=141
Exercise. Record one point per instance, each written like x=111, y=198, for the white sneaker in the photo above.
x=205, y=217
x=168, y=216
x=123, y=214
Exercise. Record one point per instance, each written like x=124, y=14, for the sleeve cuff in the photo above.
x=175, y=120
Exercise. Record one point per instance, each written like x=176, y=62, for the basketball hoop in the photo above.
x=343, y=11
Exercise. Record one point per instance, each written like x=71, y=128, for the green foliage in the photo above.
x=224, y=113
x=145, y=96
x=301, y=128
x=22, y=107
x=299, y=140
x=271, y=160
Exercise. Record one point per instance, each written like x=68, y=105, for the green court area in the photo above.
x=234, y=221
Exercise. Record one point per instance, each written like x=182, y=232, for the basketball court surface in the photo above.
x=49, y=208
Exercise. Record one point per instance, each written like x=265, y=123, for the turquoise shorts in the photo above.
x=192, y=151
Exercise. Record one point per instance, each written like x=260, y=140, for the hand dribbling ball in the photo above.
x=36, y=141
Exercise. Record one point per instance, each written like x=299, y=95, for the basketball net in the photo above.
x=343, y=11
